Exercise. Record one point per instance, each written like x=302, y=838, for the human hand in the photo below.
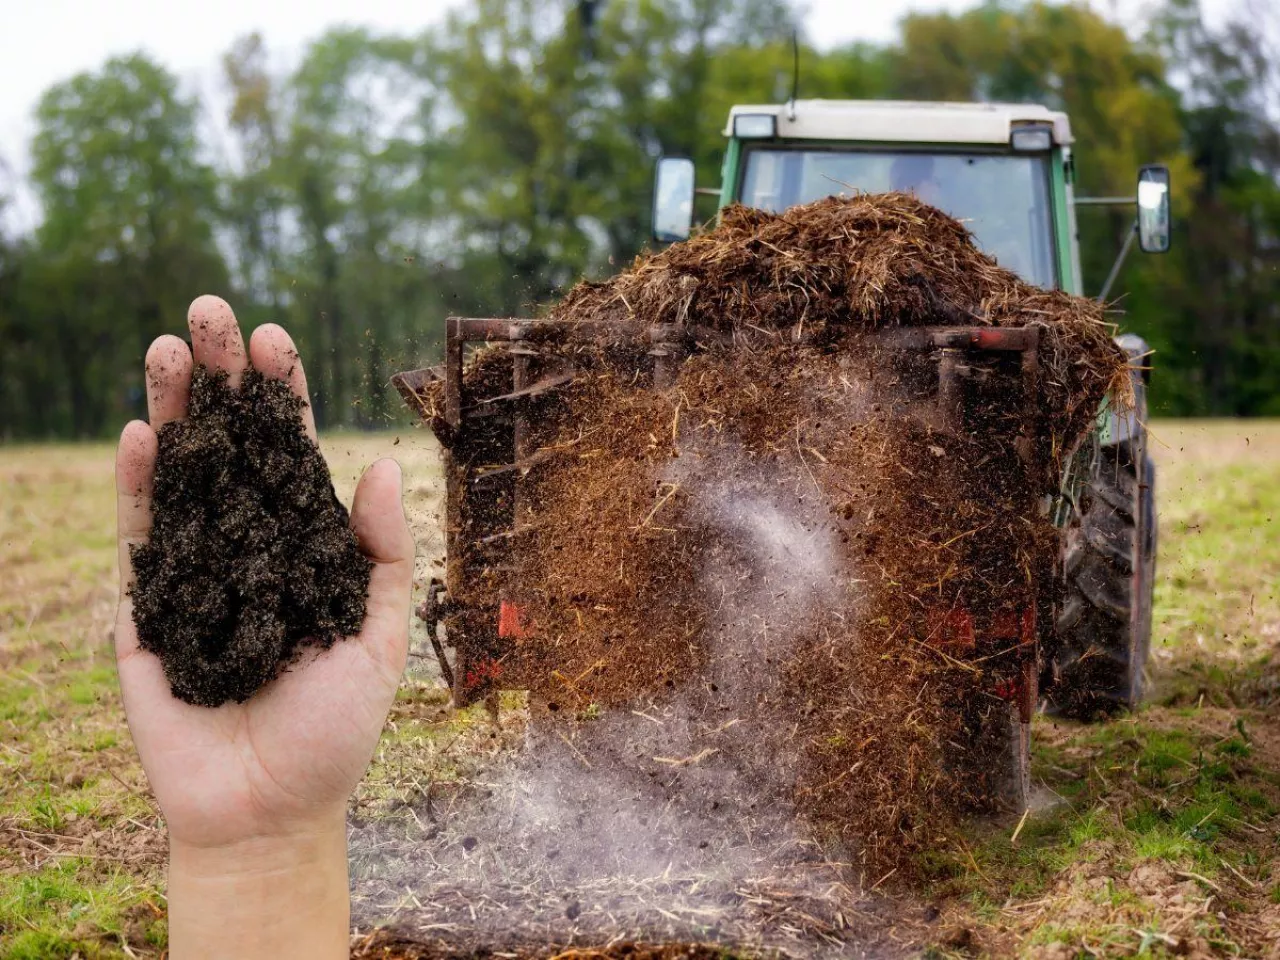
x=263, y=782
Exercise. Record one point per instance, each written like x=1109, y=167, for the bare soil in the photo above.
x=392, y=946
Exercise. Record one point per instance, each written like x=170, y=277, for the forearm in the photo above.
x=269, y=898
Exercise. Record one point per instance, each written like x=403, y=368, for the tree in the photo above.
x=1123, y=114
x=671, y=70
x=518, y=157
x=13, y=395
x=255, y=198
x=556, y=112
x=1069, y=58
x=349, y=167
x=128, y=225
x=1221, y=335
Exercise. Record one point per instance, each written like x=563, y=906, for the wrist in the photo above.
x=219, y=852
x=279, y=895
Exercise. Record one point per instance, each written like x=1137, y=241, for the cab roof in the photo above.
x=905, y=121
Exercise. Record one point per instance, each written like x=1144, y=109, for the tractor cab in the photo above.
x=1004, y=170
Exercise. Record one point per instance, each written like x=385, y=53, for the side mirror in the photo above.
x=1153, y=209
x=673, y=200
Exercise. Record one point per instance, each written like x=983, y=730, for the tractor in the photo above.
x=1006, y=171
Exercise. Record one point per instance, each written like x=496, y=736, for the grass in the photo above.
x=1152, y=816
x=1160, y=832
x=1217, y=615
x=63, y=909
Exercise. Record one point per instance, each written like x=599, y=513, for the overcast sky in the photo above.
x=45, y=41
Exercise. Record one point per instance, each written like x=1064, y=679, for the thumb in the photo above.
x=377, y=515
x=377, y=519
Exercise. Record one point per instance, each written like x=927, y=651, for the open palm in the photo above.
x=292, y=753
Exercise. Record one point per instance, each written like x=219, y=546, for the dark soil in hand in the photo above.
x=251, y=557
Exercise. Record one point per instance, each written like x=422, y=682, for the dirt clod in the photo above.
x=251, y=558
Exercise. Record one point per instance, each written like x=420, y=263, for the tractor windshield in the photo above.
x=1002, y=198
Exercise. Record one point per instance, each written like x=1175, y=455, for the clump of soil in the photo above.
x=251, y=557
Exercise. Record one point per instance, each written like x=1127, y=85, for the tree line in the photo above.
x=486, y=164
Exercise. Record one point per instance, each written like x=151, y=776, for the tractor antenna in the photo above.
x=795, y=73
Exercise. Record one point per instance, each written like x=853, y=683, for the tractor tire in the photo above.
x=1108, y=566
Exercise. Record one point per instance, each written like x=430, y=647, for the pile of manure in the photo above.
x=784, y=550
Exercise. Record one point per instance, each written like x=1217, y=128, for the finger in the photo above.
x=215, y=336
x=135, y=471
x=273, y=354
x=377, y=515
x=377, y=518
x=168, y=367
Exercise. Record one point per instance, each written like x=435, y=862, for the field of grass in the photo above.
x=1164, y=837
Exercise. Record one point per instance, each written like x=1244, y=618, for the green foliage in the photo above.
x=485, y=165
x=59, y=912
x=127, y=234
x=1217, y=332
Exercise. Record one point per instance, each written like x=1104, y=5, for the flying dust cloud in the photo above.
x=670, y=819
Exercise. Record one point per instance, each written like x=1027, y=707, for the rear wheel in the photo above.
x=1104, y=625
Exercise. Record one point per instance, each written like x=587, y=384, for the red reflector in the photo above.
x=1010, y=690
x=995, y=338
x=953, y=629
x=511, y=620
x=483, y=673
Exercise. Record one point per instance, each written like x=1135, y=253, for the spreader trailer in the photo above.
x=1006, y=172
